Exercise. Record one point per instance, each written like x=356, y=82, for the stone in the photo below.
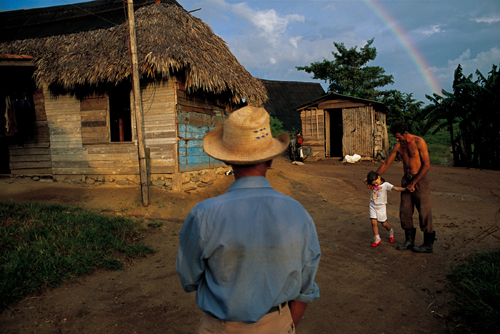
x=158, y=183
x=189, y=189
x=207, y=177
x=186, y=177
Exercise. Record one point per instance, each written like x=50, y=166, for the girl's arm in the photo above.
x=398, y=188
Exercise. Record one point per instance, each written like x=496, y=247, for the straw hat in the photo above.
x=245, y=138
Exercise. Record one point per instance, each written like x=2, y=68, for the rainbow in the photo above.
x=410, y=49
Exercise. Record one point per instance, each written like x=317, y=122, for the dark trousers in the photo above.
x=421, y=199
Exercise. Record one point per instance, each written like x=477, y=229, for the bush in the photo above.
x=276, y=127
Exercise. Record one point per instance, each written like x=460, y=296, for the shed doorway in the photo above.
x=336, y=130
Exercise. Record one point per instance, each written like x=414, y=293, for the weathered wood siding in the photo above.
x=33, y=157
x=94, y=154
x=358, y=131
x=196, y=115
x=74, y=135
x=95, y=119
x=159, y=125
x=381, y=138
x=192, y=127
x=313, y=130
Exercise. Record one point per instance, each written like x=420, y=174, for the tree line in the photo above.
x=470, y=113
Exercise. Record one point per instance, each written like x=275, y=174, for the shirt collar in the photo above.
x=250, y=182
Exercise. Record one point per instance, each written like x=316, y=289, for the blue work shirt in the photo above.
x=248, y=250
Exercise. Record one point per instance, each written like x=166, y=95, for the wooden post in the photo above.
x=138, y=106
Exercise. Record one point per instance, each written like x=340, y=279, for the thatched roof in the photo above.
x=334, y=100
x=169, y=41
x=66, y=19
x=284, y=96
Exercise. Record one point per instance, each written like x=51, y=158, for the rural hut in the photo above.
x=336, y=125
x=284, y=96
x=66, y=91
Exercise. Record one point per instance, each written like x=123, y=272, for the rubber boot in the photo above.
x=410, y=239
x=427, y=246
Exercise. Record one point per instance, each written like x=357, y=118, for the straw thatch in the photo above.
x=169, y=40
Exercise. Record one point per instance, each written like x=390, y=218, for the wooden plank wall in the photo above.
x=70, y=155
x=196, y=115
x=96, y=155
x=63, y=116
x=192, y=127
x=358, y=131
x=381, y=123
x=159, y=124
x=33, y=157
x=313, y=130
x=95, y=120
x=77, y=135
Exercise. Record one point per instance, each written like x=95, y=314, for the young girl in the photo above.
x=378, y=200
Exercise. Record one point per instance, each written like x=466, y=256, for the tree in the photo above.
x=348, y=73
x=474, y=109
x=404, y=108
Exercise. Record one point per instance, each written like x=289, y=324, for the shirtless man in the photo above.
x=416, y=164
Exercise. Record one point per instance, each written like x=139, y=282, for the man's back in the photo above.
x=254, y=248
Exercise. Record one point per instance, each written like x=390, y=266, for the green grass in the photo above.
x=475, y=285
x=44, y=245
x=439, y=147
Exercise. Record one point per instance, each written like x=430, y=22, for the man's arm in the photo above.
x=383, y=167
x=425, y=164
x=189, y=265
x=309, y=290
x=297, y=309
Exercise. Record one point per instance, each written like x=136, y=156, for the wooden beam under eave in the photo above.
x=337, y=105
x=26, y=63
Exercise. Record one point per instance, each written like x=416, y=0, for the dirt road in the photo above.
x=363, y=289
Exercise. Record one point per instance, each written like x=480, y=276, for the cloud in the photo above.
x=487, y=19
x=269, y=24
x=483, y=62
x=295, y=40
x=428, y=31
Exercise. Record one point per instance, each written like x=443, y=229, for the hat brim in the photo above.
x=214, y=147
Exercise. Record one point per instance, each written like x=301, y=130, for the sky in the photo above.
x=419, y=42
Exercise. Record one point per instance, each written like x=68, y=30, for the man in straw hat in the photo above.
x=251, y=254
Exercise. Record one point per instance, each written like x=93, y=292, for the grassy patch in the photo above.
x=43, y=245
x=439, y=147
x=475, y=285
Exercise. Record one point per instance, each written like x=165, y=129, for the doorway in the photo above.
x=120, y=120
x=336, y=132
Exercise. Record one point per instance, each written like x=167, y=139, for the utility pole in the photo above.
x=138, y=106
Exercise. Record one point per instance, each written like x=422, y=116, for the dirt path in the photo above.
x=363, y=289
